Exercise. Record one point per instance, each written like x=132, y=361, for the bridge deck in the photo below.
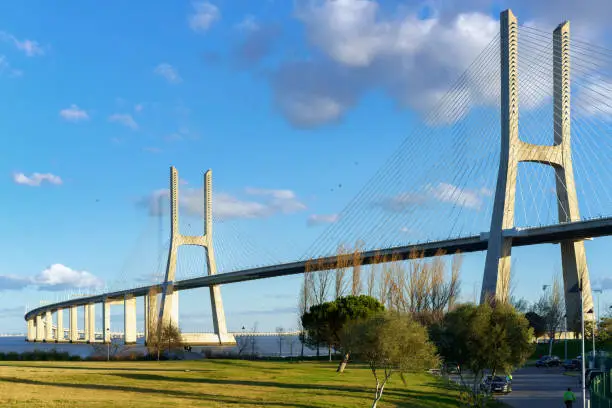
x=521, y=237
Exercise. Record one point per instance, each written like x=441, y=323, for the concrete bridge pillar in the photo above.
x=40, y=329
x=91, y=322
x=59, y=331
x=174, y=316
x=129, y=319
x=150, y=313
x=106, y=320
x=73, y=335
x=31, y=330
x=48, y=326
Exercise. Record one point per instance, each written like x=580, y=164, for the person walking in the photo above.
x=569, y=398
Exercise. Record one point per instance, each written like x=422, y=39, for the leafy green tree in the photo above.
x=484, y=337
x=323, y=323
x=389, y=342
x=537, y=323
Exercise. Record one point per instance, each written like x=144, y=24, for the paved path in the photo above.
x=541, y=388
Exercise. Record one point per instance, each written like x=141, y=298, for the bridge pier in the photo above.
x=59, y=330
x=150, y=313
x=129, y=319
x=40, y=332
x=31, y=330
x=90, y=323
x=73, y=335
x=48, y=326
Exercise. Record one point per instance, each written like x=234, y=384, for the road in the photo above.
x=541, y=387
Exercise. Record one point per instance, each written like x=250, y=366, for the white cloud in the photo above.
x=204, y=15
x=602, y=283
x=226, y=206
x=355, y=46
x=36, y=179
x=55, y=277
x=169, y=72
x=594, y=98
x=29, y=47
x=318, y=219
x=124, y=119
x=74, y=114
x=138, y=107
x=60, y=277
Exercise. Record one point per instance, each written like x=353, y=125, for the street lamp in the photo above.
x=108, y=344
x=577, y=288
x=595, y=325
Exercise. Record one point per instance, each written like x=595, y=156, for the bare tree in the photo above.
x=304, y=302
x=342, y=260
x=372, y=272
x=168, y=338
x=551, y=307
x=357, y=261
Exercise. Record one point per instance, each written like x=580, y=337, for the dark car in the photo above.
x=572, y=365
x=548, y=361
x=496, y=384
x=452, y=368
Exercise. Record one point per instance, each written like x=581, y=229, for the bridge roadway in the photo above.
x=577, y=230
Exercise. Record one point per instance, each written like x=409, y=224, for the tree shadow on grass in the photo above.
x=175, y=393
x=94, y=368
x=400, y=393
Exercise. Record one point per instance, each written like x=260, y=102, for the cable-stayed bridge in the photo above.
x=519, y=148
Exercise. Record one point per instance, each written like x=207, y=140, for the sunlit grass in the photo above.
x=208, y=383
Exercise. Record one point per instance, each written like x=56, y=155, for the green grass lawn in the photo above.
x=209, y=383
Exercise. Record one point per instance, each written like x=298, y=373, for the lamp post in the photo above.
x=108, y=345
x=565, y=334
x=595, y=325
x=577, y=288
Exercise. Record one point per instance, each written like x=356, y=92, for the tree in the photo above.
x=168, y=338
x=492, y=337
x=305, y=299
x=537, y=323
x=324, y=322
x=551, y=307
x=389, y=343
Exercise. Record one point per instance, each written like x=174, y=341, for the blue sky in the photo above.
x=294, y=105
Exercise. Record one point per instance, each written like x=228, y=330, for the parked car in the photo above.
x=452, y=368
x=496, y=384
x=548, y=361
x=572, y=365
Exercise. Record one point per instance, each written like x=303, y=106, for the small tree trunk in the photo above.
x=550, y=344
x=343, y=363
x=329, y=352
x=379, y=392
x=302, y=350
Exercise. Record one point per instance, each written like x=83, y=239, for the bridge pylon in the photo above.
x=558, y=155
x=169, y=296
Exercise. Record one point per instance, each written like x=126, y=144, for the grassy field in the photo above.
x=208, y=383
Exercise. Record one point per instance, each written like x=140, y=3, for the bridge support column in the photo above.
x=496, y=279
x=59, y=331
x=174, y=316
x=106, y=320
x=73, y=335
x=150, y=314
x=40, y=329
x=129, y=319
x=91, y=322
x=31, y=330
x=48, y=326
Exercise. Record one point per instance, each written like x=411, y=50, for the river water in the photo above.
x=265, y=346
